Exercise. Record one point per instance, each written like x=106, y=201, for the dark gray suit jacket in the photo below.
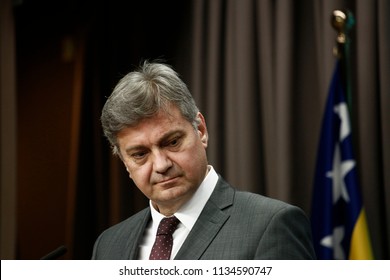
x=233, y=225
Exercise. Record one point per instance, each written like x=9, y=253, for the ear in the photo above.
x=118, y=152
x=128, y=172
x=202, y=129
x=124, y=163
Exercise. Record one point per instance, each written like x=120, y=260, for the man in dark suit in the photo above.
x=155, y=127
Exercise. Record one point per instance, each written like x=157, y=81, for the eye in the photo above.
x=174, y=142
x=138, y=155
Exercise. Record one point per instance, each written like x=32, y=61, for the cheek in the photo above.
x=141, y=178
x=140, y=175
x=195, y=160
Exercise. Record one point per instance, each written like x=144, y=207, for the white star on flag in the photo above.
x=339, y=170
x=334, y=242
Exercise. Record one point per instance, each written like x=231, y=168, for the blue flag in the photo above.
x=338, y=218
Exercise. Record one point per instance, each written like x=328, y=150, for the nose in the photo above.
x=162, y=162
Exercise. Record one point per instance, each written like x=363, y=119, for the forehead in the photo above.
x=164, y=117
x=154, y=128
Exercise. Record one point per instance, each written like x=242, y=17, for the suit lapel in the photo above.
x=135, y=239
x=209, y=223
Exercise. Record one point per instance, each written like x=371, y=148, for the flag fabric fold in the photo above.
x=338, y=219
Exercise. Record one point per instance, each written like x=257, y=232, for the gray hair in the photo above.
x=143, y=93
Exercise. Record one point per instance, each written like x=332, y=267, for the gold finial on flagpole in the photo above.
x=339, y=20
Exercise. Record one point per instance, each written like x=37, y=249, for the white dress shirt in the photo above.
x=187, y=214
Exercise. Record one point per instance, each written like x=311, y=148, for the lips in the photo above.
x=167, y=181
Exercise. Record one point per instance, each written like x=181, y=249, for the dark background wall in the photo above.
x=69, y=56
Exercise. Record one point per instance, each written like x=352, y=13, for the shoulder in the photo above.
x=258, y=200
x=256, y=204
x=125, y=227
x=248, y=203
x=119, y=241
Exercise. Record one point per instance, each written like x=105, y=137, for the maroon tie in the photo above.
x=162, y=247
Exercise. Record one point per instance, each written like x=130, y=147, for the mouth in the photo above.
x=167, y=182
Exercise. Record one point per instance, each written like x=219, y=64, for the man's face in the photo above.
x=166, y=157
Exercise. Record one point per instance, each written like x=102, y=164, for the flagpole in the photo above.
x=343, y=22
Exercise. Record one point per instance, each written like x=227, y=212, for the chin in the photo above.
x=174, y=194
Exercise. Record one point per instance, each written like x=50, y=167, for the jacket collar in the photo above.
x=209, y=223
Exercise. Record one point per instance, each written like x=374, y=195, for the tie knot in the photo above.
x=167, y=225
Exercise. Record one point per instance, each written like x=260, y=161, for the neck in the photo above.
x=166, y=211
